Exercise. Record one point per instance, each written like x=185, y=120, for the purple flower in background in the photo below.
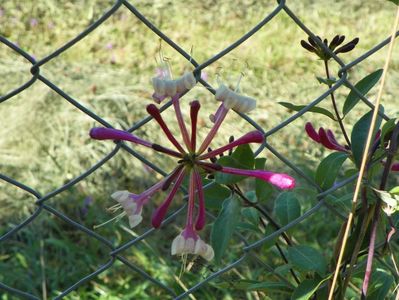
x=84, y=209
x=33, y=22
x=192, y=163
x=1, y=12
x=109, y=46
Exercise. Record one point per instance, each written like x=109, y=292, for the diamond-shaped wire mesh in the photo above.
x=116, y=252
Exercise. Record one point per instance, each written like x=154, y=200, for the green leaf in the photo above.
x=241, y=284
x=245, y=156
x=387, y=128
x=251, y=214
x=315, y=109
x=242, y=158
x=224, y=226
x=266, y=286
x=343, y=203
x=287, y=207
x=328, y=169
x=263, y=189
x=306, y=289
x=363, y=86
x=215, y=195
x=306, y=258
x=394, y=1
x=380, y=284
x=359, y=135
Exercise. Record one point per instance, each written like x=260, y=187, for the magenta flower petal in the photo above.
x=395, y=167
x=100, y=133
x=155, y=113
x=194, y=108
x=160, y=213
x=221, y=114
x=200, y=223
x=180, y=121
x=281, y=180
x=251, y=137
x=331, y=138
x=325, y=140
x=312, y=132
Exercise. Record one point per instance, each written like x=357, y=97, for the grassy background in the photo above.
x=44, y=141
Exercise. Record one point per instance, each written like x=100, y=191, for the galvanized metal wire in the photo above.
x=116, y=251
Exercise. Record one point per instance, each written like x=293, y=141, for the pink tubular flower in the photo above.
x=324, y=137
x=193, y=160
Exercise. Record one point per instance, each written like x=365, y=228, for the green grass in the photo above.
x=44, y=140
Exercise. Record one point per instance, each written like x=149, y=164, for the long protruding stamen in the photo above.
x=160, y=213
x=100, y=133
x=155, y=113
x=162, y=149
x=219, y=117
x=251, y=137
x=180, y=121
x=281, y=180
x=194, y=108
x=200, y=223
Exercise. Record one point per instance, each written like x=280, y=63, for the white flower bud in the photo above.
x=233, y=100
x=134, y=220
x=121, y=196
x=205, y=250
x=178, y=245
x=169, y=88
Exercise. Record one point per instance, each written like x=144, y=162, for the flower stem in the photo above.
x=341, y=125
x=387, y=168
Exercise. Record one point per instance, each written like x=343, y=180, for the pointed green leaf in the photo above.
x=306, y=289
x=328, y=169
x=388, y=128
x=215, y=195
x=268, y=285
x=251, y=214
x=380, y=284
x=315, y=109
x=364, y=86
x=287, y=207
x=224, y=226
x=306, y=258
x=359, y=135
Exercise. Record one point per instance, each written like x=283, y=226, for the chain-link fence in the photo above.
x=116, y=251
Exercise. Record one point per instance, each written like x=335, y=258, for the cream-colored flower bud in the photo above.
x=121, y=196
x=233, y=100
x=178, y=245
x=170, y=88
x=158, y=85
x=134, y=220
x=205, y=250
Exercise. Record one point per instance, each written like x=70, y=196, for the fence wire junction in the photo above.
x=116, y=251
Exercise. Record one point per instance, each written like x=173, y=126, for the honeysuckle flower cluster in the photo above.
x=313, y=47
x=325, y=138
x=328, y=140
x=193, y=160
